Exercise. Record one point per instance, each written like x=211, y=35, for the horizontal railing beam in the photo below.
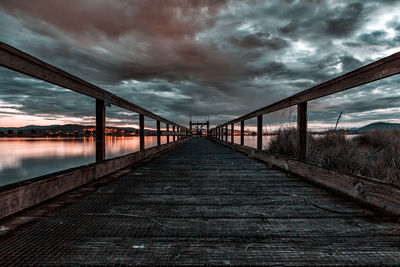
x=200, y=123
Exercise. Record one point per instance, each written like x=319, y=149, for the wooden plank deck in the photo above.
x=203, y=203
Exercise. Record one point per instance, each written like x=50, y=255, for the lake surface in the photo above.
x=25, y=158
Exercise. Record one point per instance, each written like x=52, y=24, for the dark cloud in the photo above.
x=344, y=21
x=377, y=38
x=374, y=37
x=368, y=105
x=313, y=19
x=93, y=19
x=177, y=58
x=261, y=40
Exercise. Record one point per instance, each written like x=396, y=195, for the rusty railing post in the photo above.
x=167, y=129
x=100, y=130
x=141, y=131
x=302, y=131
x=242, y=133
x=158, y=133
x=232, y=130
x=259, y=132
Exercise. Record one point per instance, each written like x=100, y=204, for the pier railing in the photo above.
x=377, y=70
x=27, y=193
x=19, y=61
x=373, y=192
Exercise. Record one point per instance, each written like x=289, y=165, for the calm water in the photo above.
x=25, y=158
x=251, y=141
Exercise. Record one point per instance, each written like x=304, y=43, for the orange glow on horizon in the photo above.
x=22, y=120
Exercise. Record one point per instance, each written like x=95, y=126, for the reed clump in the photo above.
x=374, y=154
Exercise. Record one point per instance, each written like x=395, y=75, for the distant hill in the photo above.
x=66, y=127
x=379, y=126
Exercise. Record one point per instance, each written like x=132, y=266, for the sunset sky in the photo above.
x=217, y=58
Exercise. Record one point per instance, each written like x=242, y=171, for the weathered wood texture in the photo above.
x=302, y=131
x=100, y=130
x=167, y=132
x=23, y=195
x=158, y=133
x=259, y=132
x=232, y=132
x=141, y=131
x=203, y=203
x=378, y=194
x=17, y=60
x=242, y=133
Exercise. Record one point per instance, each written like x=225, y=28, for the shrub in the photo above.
x=375, y=154
x=284, y=142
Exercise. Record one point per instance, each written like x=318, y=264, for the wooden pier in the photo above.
x=199, y=200
x=203, y=203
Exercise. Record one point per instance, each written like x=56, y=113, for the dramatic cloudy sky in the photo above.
x=218, y=58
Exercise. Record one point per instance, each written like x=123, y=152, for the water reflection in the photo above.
x=251, y=141
x=24, y=158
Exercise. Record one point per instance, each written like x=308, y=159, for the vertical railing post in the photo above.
x=173, y=130
x=242, y=133
x=190, y=127
x=158, y=133
x=100, y=130
x=232, y=130
x=302, y=131
x=167, y=129
x=141, y=131
x=208, y=128
x=259, y=132
x=226, y=133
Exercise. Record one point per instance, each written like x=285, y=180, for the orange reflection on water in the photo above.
x=14, y=150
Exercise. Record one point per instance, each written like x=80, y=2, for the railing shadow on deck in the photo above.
x=377, y=194
x=21, y=195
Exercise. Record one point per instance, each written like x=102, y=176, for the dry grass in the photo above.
x=375, y=154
